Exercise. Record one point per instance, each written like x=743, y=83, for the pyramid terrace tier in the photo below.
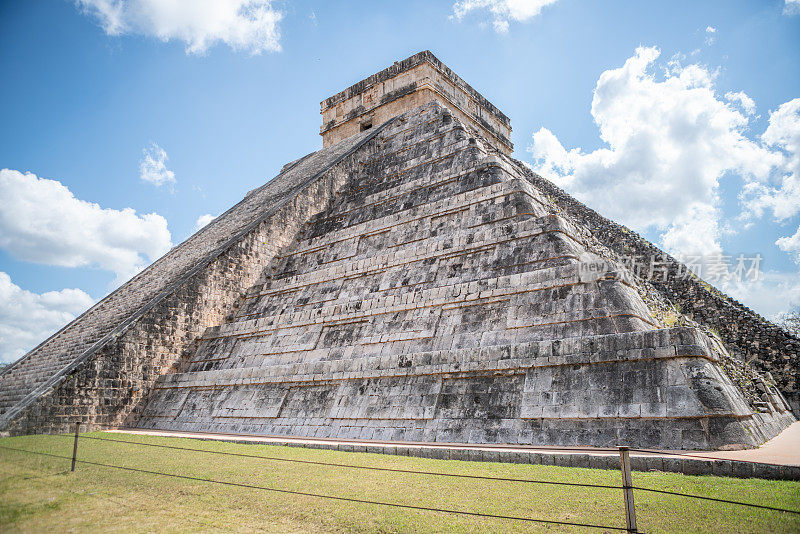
x=546, y=304
x=660, y=388
x=511, y=244
x=438, y=261
x=477, y=204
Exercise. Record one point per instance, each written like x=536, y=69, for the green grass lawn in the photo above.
x=40, y=494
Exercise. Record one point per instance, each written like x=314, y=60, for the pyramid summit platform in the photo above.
x=411, y=281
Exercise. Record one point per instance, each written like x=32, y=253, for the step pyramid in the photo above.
x=441, y=297
x=412, y=282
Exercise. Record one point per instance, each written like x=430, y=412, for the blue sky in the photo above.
x=124, y=123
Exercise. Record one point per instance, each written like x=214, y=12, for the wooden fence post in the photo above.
x=627, y=489
x=75, y=445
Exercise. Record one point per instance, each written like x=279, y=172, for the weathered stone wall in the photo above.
x=126, y=353
x=406, y=85
x=747, y=336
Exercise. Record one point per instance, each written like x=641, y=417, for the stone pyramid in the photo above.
x=409, y=281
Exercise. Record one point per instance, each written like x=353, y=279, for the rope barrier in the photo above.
x=690, y=454
x=565, y=450
x=396, y=470
x=666, y=492
x=322, y=496
x=454, y=475
x=372, y=468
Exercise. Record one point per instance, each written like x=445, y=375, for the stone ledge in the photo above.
x=663, y=344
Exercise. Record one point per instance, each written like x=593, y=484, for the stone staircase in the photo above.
x=24, y=380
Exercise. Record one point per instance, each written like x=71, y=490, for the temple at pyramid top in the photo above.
x=406, y=85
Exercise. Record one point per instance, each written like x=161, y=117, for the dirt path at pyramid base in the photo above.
x=778, y=458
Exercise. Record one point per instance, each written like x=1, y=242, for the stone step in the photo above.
x=436, y=248
x=432, y=209
x=516, y=289
x=419, y=218
x=403, y=187
x=487, y=256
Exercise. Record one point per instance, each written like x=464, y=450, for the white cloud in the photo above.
x=772, y=295
x=27, y=318
x=778, y=192
x=745, y=102
x=792, y=7
x=42, y=221
x=249, y=25
x=784, y=129
x=710, y=35
x=668, y=143
x=695, y=232
x=203, y=221
x=791, y=244
x=503, y=11
x=153, y=166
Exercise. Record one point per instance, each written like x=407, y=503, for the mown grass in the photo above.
x=40, y=494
